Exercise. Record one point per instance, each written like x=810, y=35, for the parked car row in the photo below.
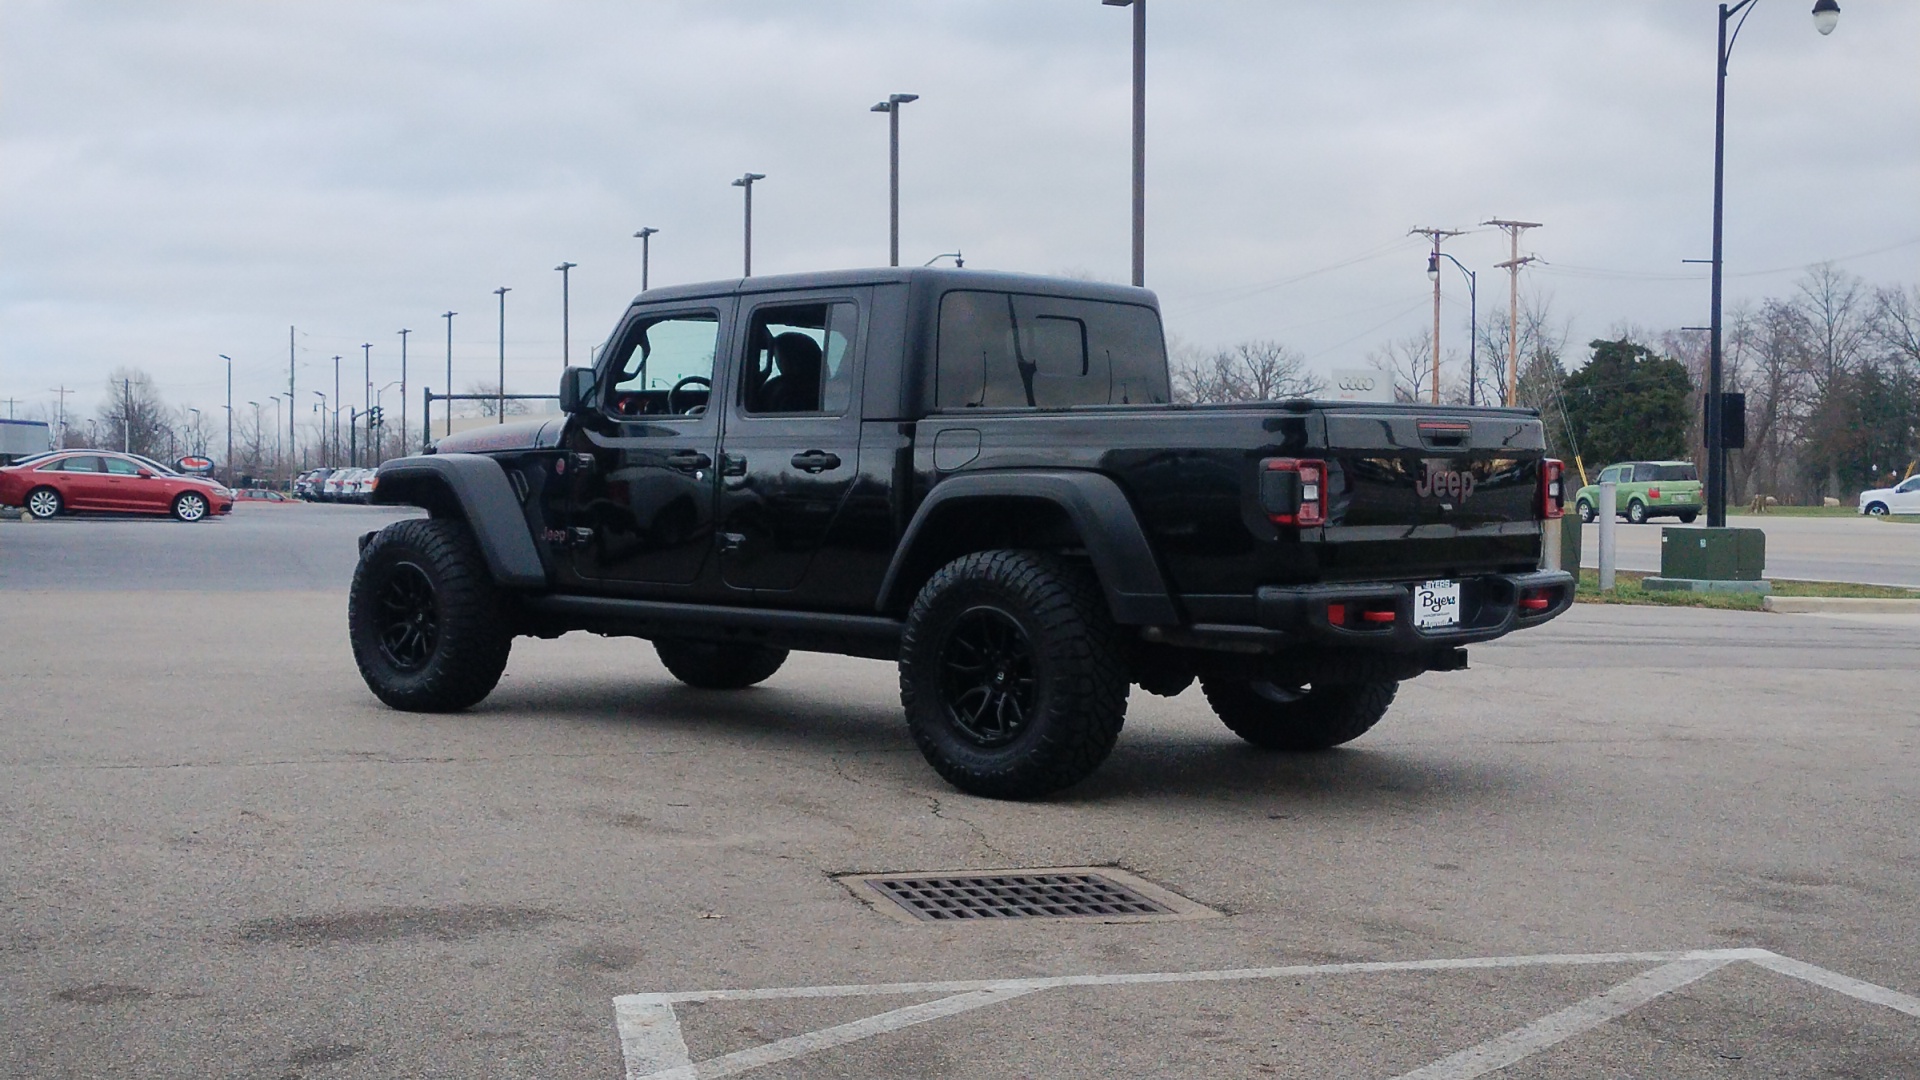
x=335, y=485
x=68, y=481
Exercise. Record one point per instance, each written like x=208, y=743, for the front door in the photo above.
x=791, y=448
x=127, y=491
x=643, y=513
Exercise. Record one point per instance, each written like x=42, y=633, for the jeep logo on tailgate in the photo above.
x=1447, y=485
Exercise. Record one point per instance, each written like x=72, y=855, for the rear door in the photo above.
x=790, y=449
x=82, y=483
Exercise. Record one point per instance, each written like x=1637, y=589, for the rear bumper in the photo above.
x=1489, y=608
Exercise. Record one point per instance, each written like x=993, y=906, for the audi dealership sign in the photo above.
x=1360, y=384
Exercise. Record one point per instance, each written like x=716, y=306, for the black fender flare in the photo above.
x=1100, y=512
x=473, y=487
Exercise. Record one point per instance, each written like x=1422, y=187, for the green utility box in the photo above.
x=1713, y=554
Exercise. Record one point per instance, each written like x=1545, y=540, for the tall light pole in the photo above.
x=196, y=448
x=644, y=235
x=1826, y=14
x=427, y=421
x=566, y=327
x=1139, y=135
x=500, y=412
x=336, y=409
x=891, y=107
x=256, y=429
x=276, y=429
x=745, y=183
x=403, y=390
x=1473, y=323
x=229, y=462
x=324, y=456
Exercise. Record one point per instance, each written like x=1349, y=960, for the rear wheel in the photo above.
x=190, y=506
x=1637, y=512
x=1587, y=512
x=425, y=619
x=1011, y=674
x=713, y=665
x=1276, y=717
x=1686, y=517
x=44, y=503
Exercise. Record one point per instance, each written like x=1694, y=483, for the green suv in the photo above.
x=1647, y=489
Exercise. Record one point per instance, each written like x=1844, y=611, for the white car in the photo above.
x=1902, y=498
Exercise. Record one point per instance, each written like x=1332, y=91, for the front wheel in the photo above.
x=425, y=619
x=1878, y=509
x=1276, y=717
x=1011, y=673
x=713, y=665
x=190, y=506
x=1637, y=512
x=1587, y=512
x=44, y=503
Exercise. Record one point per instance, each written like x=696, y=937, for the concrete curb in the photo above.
x=1813, y=605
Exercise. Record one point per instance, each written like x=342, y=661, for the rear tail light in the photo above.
x=1653, y=493
x=1553, y=488
x=1293, y=491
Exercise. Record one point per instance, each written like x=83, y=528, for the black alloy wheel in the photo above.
x=408, y=619
x=987, y=677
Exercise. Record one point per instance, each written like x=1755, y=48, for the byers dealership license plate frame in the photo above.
x=1436, y=604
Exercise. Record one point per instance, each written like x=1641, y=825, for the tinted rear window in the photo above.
x=1664, y=472
x=1005, y=350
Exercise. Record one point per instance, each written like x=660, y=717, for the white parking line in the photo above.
x=655, y=1049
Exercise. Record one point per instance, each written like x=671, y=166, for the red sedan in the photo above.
x=99, y=480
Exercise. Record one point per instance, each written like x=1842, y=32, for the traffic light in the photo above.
x=374, y=419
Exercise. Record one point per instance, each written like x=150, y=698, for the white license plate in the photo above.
x=1436, y=603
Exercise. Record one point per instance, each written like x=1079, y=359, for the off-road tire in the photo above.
x=462, y=635
x=1320, y=718
x=1070, y=703
x=715, y=665
x=44, y=503
x=1588, y=515
x=1636, y=512
x=191, y=506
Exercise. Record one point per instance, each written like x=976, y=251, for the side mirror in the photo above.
x=576, y=389
x=145, y=474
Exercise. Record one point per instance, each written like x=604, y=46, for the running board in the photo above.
x=804, y=631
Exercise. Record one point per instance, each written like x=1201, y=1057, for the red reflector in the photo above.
x=1337, y=614
x=1377, y=616
x=1535, y=601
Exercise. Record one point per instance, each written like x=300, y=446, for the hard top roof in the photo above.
x=941, y=278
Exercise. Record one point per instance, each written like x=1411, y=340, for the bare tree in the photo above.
x=1836, y=306
x=1409, y=363
x=1894, y=325
x=490, y=404
x=1540, y=333
x=1257, y=370
x=132, y=416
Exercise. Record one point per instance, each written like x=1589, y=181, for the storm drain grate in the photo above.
x=1062, y=893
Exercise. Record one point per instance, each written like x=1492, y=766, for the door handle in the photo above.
x=814, y=461
x=688, y=460
x=733, y=464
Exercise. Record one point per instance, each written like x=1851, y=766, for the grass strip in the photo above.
x=1627, y=589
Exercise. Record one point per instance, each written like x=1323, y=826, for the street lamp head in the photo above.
x=502, y=292
x=901, y=99
x=565, y=266
x=645, y=232
x=1117, y=3
x=883, y=106
x=1433, y=268
x=227, y=358
x=1826, y=15
x=748, y=179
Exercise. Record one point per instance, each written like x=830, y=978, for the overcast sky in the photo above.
x=180, y=180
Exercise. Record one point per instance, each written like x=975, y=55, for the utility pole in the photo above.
x=366, y=360
x=500, y=410
x=427, y=421
x=336, y=411
x=746, y=183
x=1512, y=267
x=293, y=443
x=403, y=390
x=645, y=234
x=60, y=431
x=229, y=462
x=1433, y=271
x=126, y=416
x=11, y=402
x=566, y=321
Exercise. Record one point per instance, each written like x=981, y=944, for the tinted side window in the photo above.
x=999, y=350
x=669, y=358
x=800, y=359
x=1668, y=472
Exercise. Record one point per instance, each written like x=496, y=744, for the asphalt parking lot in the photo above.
x=1610, y=849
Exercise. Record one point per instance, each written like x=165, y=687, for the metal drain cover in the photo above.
x=1102, y=894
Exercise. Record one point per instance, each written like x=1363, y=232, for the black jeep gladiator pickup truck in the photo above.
x=982, y=477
